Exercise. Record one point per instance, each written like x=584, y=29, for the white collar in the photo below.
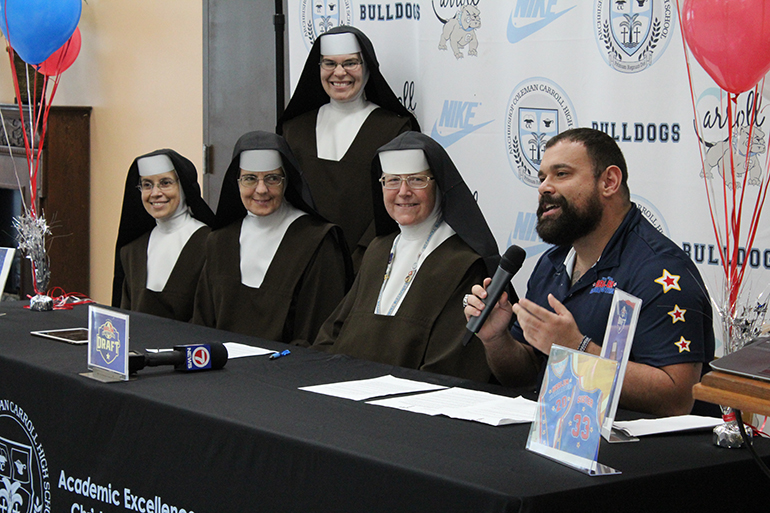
x=259, y=240
x=569, y=262
x=175, y=221
x=421, y=230
x=167, y=240
x=410, y=249
x=337, y=125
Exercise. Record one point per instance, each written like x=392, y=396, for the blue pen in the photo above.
x=278, y=355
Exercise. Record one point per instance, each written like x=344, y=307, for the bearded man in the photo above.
x=602, y=242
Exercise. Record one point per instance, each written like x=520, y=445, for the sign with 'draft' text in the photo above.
x=107, y=345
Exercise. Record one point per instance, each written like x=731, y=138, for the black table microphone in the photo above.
x=186, y=358
x=509, y=265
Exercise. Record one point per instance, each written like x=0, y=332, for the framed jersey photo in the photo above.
x=573, y=402
x=618, y=338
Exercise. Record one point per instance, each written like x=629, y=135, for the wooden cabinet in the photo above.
x=64, y=191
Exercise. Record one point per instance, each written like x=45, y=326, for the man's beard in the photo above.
x=571, y=224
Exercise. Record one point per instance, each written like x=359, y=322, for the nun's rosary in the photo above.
x=409, y=276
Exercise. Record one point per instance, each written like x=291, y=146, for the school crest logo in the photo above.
x=319, y=16
x=538, y=109
x=633, y=34
x=459, y=27
x=24, y=486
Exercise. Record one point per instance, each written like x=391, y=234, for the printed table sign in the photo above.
x=107, y=345
x=572, y=405
x=618, y=337
x=6, y=261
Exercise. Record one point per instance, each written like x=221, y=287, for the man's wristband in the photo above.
x=584, y=343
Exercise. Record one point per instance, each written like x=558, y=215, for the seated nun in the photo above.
x=341, y=111
x=405, y=307
x=163, y=229
x=276, y=269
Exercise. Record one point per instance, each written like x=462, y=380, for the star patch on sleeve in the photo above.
x=677, y=314
x=669, y=281
x=683, y=345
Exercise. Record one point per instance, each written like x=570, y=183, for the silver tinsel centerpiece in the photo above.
x=739, y=329
x=31, y=230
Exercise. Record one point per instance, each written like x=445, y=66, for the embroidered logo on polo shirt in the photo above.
x=677, y=314
x=683, y=345
x=668, y=281
x=604, y=285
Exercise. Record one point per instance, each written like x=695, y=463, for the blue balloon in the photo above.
x=37, y=28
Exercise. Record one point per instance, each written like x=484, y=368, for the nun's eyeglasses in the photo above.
x=413, y=181
x=164, y=185
x=349, y=65
x=251, y=181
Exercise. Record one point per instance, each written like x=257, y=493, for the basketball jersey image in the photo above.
x=581, y=429
x=558, y=386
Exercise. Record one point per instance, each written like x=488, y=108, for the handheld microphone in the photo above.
x=186, y=358
x=510, y=264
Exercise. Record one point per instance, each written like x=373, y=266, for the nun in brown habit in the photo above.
x=163, y=228
x=274, y=268
x=433, y=245
x=340, y=113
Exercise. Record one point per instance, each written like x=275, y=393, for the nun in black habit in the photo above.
x=163, y=228
x=274, y=267
x=340, y=113
x=433, y=245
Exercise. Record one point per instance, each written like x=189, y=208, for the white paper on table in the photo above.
x=234, y=350
x=643, y=427
x=375, y=387
x=237, y=350
x=461, y=403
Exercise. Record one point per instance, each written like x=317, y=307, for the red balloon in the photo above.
x=730, y=39
x=62, y=58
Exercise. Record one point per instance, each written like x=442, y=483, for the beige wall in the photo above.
x=140, y=68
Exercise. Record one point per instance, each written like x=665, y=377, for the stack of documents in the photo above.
x=429, y=399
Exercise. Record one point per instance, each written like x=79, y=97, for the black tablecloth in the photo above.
x=246, y=439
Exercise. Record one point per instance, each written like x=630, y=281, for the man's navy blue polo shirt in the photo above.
x=675, y=323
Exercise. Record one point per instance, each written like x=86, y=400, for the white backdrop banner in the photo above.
x=493, y=80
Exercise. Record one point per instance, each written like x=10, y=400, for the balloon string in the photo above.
x=25, y=135
x=63, y=300
x=31, y=103
x=46, y=108
x=732, y=199
x=66, y=300
x=49, y=102
x=759, y=204
x=60, y=59
x=731, y=227
x=38, y=118
x=17, y=90
x=710, y=200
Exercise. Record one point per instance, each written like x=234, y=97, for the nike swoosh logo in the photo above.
x=448, y=140
x=516, y=34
